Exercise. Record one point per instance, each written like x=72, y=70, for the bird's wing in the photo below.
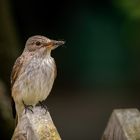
x=14, y=75
x=16, y=69
x=55, y=71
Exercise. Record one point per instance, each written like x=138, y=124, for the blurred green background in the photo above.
x=98, y=67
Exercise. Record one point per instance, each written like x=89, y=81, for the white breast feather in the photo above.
x=38, y=83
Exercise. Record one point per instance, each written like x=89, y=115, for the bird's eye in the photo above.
x=38, y=43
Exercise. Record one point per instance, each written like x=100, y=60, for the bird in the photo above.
x=33, y=74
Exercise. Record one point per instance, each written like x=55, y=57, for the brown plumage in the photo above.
x=33, y=73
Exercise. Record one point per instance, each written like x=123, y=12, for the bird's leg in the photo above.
x=42, y=104
x=27, y=107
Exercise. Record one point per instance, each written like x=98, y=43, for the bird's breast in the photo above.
x=37, y=80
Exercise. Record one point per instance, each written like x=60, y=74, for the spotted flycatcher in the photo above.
x=33, y=73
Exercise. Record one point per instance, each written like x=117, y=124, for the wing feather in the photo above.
x=16, y=70
x=14, y=75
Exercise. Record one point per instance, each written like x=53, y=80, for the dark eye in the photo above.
x=38, y=43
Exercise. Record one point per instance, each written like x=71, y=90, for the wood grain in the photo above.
x=36, y=126
x=124, y=124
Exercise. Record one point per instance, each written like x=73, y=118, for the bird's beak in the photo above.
x=53, y=44
x=56, y=44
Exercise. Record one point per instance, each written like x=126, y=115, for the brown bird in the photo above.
x=33, y=73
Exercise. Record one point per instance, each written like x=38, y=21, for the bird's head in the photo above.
x=41, y=44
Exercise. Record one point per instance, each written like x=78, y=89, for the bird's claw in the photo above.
x=42, y=104
x=27, y=107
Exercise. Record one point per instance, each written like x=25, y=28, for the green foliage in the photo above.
x=130, y=7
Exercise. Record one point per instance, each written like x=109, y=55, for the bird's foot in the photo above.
x=42, y=104
x=27, y=107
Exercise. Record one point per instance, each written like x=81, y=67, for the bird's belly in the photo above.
x=37, y=88
x=35, y=83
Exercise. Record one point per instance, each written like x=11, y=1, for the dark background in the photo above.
x=98, y=67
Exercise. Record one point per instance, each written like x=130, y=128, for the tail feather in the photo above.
x=13, y=108
x=14, y=112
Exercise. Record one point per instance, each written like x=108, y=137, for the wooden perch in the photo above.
x=124, y=124
x=36, y=125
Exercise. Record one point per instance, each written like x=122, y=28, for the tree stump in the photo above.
x=124, y=124
x=36, y=125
